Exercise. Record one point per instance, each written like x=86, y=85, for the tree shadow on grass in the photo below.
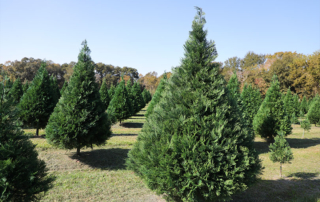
x=125, y=134
x=138, y=115
x=106, y=159
x=304, y=175
x=297, y=143
x=132, y=125
x=304, y=189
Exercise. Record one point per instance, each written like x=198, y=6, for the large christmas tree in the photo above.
x=79, y=119
x=38, y=102
x=272, y=116
x=194, y=146
x=22, y=175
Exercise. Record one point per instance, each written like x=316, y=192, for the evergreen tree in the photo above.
x=55, y=90
x=145, y=96
x=136, y=94
x=272, y=117
x=296, y=104
x=305, y=124
x=294, y=119
x=16, y=91
x=288, y=103
x=25, y=87
x=251, y=101
x=314, y=111
x=304, y=105
x=309, y=103
x=79, y=119
x=233, y=87
x=280, y=151
x=104, y=94
x=120, y=106
x=157, y=95
x=131, y=98
x=65, y=85
x=37, y=103
x=23, y=176
x=194, y=146
x=111, y=91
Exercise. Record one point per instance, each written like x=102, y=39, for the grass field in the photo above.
x=100, y=174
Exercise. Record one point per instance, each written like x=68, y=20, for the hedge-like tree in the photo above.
x=138, y=100
x=304, y=105
x=79, y=118
x=104, y=94
x=36, y=105
x=280, y=151
x=23, y=176
x=120, y=105
x=272, y=117
x=157, y=96
x=194, y=146
x=16, y=91
x=314, y=111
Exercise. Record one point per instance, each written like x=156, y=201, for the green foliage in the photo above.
x=251, y=101
x=16, y=91
x=145, y=96
x=280, y=151
x=112, y=91
x=294, y=118
x=137, y=97
x=305, y=124
x=37, y=103
x=64, y=87
x=296, y=104
x=288, y=103
x=79, y=119
x=272, y=117
x=314, y=111
x=23, y=176
x=131, y=98
x=157, y=95
x=304, y=105
x=55, y=90
x=194, y=146
x=104, y=94
x=120, y=105
x=25, y=87
x=233, y=87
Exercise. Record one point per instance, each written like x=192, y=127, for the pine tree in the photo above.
x=157, y=95
x=37, y=103
x=294, y=119
x=25, y=87
x=79, y=119
x=111, y=91
x=309, y=103
x=23, y=176
x=304, y=105
x=16, y=91
x=296, y=104
x=131, y=98
x=104, y=95
x=314, y=111
x=120, y=106
x=233, y=87
x=288, y=103
x=136, y=94
x=305, y=124
x=280, y=151
x=65, y=85
x=55, y=90
x=194, y=146
x=145, y=96
x=272, y=117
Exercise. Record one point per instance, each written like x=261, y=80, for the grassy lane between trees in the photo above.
x=100, y=174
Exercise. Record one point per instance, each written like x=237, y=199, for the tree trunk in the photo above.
x=78, y=151
x=281, y=170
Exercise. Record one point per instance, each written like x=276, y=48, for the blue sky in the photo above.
x=149, y=35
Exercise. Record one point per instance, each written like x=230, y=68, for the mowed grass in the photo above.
x=100, y=174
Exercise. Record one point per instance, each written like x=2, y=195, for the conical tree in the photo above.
x=64, y=87
x=131, y=98
x=79, y=118
x=136, y=94
x=25, y=87
x=288, y=103
x=280, y=151
x=310, y=103
x=314, y=111
x=296, y=104
x=304, y=105
x=272, y=117
x=120, y=106
x=55, y=90
x=145, y=96
x=37, y=103
x=233, y=86
x=23, y=176
x=104, y=94
x=111, y=91
x=16, y=91
x=157, y=96
x=305, y=124
x=194, y=146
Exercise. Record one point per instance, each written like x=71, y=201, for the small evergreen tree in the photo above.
x=305, y=124
x=233, y=87
x=296, y=104
x=79, y=119
x=194, y=146
x=64, y=87
x=314, y=111
x=37, y=103
x=145, y=96
x=120, y=106
x=23, y=176
x=280, y=151
x=304, y=105
x=294, y=119
x=271, y=117
x=136, y=94
x=25, y=87
x=55, y=90
x=157, y=95
x=309, y=103
x=288, y=103
x=111, y=91
x=16, y=91
x=131, y=98
x=104, y=94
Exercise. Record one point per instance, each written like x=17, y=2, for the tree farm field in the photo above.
x=100, y=174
